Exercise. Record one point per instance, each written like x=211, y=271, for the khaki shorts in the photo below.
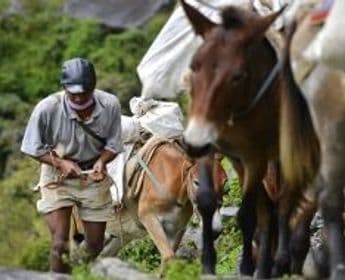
x=92, y=199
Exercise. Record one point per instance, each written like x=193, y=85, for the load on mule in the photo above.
x=227, y=72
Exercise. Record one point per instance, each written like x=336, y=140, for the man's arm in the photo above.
x=99, y=167
x=114, y=144
x=66, y=167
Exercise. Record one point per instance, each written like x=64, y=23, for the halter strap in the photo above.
x=261, y=93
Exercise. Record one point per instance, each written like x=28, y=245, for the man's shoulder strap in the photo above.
x=91, y=132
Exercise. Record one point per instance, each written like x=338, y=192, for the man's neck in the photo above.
x=85, y=114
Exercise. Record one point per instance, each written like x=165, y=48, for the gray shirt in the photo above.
x=53, y=125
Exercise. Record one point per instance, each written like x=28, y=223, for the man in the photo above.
x=74, y=134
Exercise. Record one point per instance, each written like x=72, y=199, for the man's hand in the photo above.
x=99, y=171
x=68, y=168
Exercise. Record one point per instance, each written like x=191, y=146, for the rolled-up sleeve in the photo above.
x=114, y=139
x=34, y=142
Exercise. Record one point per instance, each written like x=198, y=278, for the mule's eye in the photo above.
x=195, y=65
x=238, y=77
x=196, y=183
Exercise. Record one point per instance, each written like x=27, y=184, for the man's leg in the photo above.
x=59, y=225
x=94, y=238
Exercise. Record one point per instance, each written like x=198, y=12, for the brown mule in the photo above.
x=164, y=217
x=227, y=72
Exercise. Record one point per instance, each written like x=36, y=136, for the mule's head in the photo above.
x=219, y=179
x=223, y=74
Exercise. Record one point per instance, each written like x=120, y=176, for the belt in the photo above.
x=88, y=164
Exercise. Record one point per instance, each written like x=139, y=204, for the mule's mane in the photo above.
x=234, y=17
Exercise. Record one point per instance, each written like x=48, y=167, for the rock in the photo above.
x=115, y=13
x=17, y=274
x=229, y=211
x=114, y=268
x=112, y=13
x=191, y=244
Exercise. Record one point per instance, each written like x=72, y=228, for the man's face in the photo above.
x=79, y=98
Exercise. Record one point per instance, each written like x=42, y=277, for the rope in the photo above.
x=208, y=5
x=156, y=184
x=117, y=210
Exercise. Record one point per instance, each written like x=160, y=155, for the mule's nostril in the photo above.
x=195, y=151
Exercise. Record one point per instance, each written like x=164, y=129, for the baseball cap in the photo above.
x=78, y=76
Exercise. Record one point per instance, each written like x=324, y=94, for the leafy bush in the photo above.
x=141, y=253
x=82, y=272
x=35, y=256
x=182, y=270
x=228, y=246
x=232, y=189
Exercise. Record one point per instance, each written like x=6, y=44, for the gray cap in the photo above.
x=78, y=76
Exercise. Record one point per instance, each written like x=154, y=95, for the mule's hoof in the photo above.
x=208, y=271
x=281, y=266
x=246, y=269
x=338, y=273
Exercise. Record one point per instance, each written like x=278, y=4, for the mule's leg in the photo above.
x=158, y=236
x=178, y=239
x=286, y=204
x=265, y=224
x=300, y=235
x=207, y=205
x=282, y=255
x=247, y=222
x=113, y=244
x=331, y=201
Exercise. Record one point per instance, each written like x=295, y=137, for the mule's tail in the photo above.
x=299, y=145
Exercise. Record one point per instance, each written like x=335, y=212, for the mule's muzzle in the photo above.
x=195, y=151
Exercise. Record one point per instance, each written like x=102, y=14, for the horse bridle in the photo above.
x=264, y=87
x=261, y=93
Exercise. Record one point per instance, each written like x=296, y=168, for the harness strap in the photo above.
x=261, y=93
x=156, y=184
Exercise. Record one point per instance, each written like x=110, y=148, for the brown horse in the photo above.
x=163, y=211
x=227, y=72
x=318, y=101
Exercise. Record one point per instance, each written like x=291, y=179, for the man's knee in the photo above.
x=60, y=247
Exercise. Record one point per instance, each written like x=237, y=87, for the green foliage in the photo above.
x=13, y=114
x=232, y=190
x=83, y=39
x=182, y=270
x=4, y=5
x=20, y=224
x=228, y=248
x=82, y=272
x=229, y=244
x=141, y=253
x=35, y=256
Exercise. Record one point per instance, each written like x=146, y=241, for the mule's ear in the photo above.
x=265, y=22
x=201, y=24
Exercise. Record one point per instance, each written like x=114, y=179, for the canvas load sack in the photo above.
x=164, y=66
x=160, y=118
x=328, y=46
